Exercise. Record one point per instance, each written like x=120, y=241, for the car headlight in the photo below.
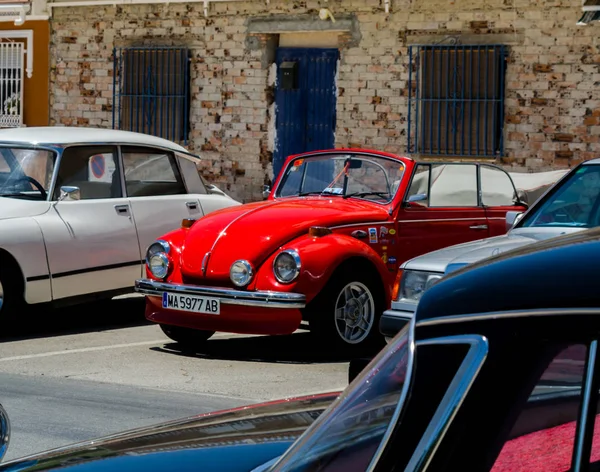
x=240, y=273
x=286, y=266
x=414, y=283
x=157, y=260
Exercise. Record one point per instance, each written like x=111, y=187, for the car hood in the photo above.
x=16, y=207
x=237, y=439
x=255, y=230
x=454, y=257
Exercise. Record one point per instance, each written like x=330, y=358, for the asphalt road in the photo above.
x=75, y=374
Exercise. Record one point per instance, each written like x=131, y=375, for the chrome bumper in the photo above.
x=225, y=295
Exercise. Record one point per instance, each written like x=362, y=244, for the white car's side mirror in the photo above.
x=266, y=191
x=512, y=218
x=72, y=193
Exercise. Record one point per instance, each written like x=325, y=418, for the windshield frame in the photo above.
x=358, y=385
x=56, y=150
x=350, y=154
x=549, y=194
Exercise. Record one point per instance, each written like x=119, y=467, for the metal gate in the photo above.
x=151, y=91
x=306, y=113
x=12, y=61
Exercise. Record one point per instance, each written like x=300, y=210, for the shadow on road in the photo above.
x=37, y=322
x=297, y=348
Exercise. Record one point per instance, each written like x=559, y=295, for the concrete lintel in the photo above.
x=299, y=23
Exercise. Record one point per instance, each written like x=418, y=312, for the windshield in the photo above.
x=575, y=203
x=347, y=175
x=349, y=433
x=26, y=173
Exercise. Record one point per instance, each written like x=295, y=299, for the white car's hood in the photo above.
x=16, y=207
x=454, y=257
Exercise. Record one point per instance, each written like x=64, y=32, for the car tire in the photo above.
x=359, y=294
x=11, y=294
x=187, y=337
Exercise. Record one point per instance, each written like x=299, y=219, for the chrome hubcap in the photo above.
x=354, y=313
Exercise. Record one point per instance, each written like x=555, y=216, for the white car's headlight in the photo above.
x=240, y=273
x=414, y=283
x=286, y=266
x=157, y=260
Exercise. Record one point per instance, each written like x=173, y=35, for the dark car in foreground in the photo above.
x=477, y=381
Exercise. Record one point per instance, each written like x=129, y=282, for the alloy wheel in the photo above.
x=354, y=312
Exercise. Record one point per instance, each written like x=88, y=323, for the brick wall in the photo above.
x=552, y=107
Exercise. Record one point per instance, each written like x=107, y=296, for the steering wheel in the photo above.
x=35, y=183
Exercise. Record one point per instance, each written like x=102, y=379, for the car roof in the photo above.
x=552, y=274
x=53, y=135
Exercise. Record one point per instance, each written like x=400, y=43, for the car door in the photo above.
x=156, y=192
x=90, y=238
x=498, y=195
x=440, y=209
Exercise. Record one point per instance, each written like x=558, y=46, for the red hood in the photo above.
x=255, y=230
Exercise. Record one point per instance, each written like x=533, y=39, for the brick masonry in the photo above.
x=552, y=109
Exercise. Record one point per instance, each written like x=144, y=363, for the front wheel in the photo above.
x=347, y=311
x=187, y=337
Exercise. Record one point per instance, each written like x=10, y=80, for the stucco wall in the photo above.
x=552, y=107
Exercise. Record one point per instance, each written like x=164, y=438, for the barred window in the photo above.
x=456, y=100
x=151, y=91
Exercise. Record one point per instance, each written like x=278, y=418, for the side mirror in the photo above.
x=512, y=218
x=418, y=197
x=214, y=190
x=72, y=193
x=266, y=191
x=4, y=432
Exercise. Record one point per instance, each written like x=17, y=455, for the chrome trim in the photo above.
x=442, y=219
x=368, y=223
x=247, y=266
x=578, y=458
x=453, y=399
x=507, y=314
x=296, y=257
x=165, y=259
x=401, y=400
x=165, y=246
x=265, y=299
x=4, y=432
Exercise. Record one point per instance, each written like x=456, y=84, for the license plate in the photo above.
x=193, y=303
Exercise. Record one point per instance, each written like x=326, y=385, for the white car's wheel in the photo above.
x=11, y=292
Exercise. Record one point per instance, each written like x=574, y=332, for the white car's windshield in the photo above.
x=347, y=175
x=26, y=173
x=576, y=203
x=349, y=433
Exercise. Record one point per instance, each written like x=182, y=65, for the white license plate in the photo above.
x=193, y=303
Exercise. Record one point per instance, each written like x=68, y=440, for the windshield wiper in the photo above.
x=365, y=194
x=304, y=194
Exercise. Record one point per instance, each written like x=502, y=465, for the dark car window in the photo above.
x=543, y=436
x=93, y=169
x=151, y=172
x=574, y=204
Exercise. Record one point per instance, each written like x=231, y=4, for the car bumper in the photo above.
x=241, y=312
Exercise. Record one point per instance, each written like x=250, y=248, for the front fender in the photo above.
x=320, y=257
x=22, y=238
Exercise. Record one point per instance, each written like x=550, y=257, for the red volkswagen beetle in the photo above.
x=324, y=248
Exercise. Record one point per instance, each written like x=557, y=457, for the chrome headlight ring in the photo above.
x=241, y=273
x=157, y=246
x=294, y=264
x=157, y=261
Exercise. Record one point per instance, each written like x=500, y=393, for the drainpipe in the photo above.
x=387, y=6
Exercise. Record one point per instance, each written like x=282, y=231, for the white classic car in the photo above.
x=80, y=206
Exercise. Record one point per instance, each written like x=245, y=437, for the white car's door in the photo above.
x=156, y=192
x=91, y=242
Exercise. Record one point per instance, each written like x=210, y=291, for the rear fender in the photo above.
x=320, y=257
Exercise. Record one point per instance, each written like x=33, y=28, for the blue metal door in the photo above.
x=305, y=116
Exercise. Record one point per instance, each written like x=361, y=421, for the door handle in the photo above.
x=191, y=205
x=122, y=209
x=478, y=227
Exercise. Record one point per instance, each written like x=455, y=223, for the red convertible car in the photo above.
x=324, y=248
